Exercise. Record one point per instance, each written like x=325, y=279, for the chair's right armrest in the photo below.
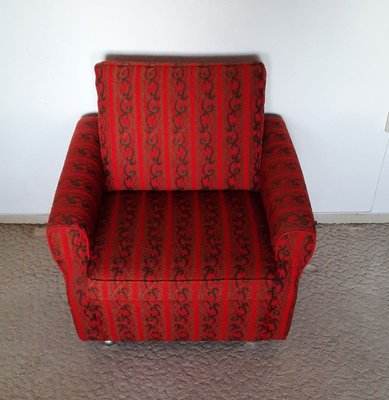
x=77, y=199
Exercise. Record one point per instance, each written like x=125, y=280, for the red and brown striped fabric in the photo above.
x=181, y=126
x=181, y=212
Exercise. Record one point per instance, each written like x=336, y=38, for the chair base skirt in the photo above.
x=231, y=320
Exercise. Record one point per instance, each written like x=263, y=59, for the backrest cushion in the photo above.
x=167, y=126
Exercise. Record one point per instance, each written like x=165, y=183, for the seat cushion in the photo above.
x=181, y=126
x=181, y=236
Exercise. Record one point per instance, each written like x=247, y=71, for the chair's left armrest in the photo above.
x=285, y=197
x=78, y=195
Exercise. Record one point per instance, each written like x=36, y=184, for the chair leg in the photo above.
x=108, y=342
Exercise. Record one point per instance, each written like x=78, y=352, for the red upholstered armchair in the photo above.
x=181, y=212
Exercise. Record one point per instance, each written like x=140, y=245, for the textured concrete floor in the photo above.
x=338, y=347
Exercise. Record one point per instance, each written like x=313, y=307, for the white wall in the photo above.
x=328, y=75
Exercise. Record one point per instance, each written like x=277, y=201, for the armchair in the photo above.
x=181, y=212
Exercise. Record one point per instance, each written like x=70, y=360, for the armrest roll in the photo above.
x=285, y=197
x=77, y=198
